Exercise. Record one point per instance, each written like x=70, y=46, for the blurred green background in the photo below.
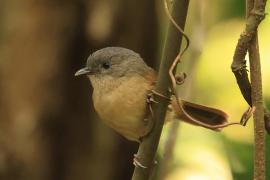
x=48, y=128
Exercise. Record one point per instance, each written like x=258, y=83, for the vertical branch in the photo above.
x=148, y=147
x=192, y=57
x=255, y=14
x=253, y=92
x=258, y=116
x=256, y=98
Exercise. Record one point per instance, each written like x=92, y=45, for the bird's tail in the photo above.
x=199, y=114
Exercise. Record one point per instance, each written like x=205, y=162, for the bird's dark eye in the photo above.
x=106, y=65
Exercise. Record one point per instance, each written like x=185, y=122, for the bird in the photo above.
x=122, y=82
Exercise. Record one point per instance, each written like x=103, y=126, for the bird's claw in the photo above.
x=150, y=99
x=137, y=163
x=159, y=94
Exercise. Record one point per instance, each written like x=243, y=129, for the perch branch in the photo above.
x=148, y=147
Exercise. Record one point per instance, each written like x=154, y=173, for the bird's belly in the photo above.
x=126, y=116
x=125, y=111
x=126, y=119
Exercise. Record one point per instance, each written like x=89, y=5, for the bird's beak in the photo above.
x=83, y=71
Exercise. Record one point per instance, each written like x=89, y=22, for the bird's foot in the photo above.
x=137, y=162
x=150, y=100
x=153, y=92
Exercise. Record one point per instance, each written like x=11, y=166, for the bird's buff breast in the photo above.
x=122, y=105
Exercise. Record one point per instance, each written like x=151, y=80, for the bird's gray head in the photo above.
x=113, y=62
